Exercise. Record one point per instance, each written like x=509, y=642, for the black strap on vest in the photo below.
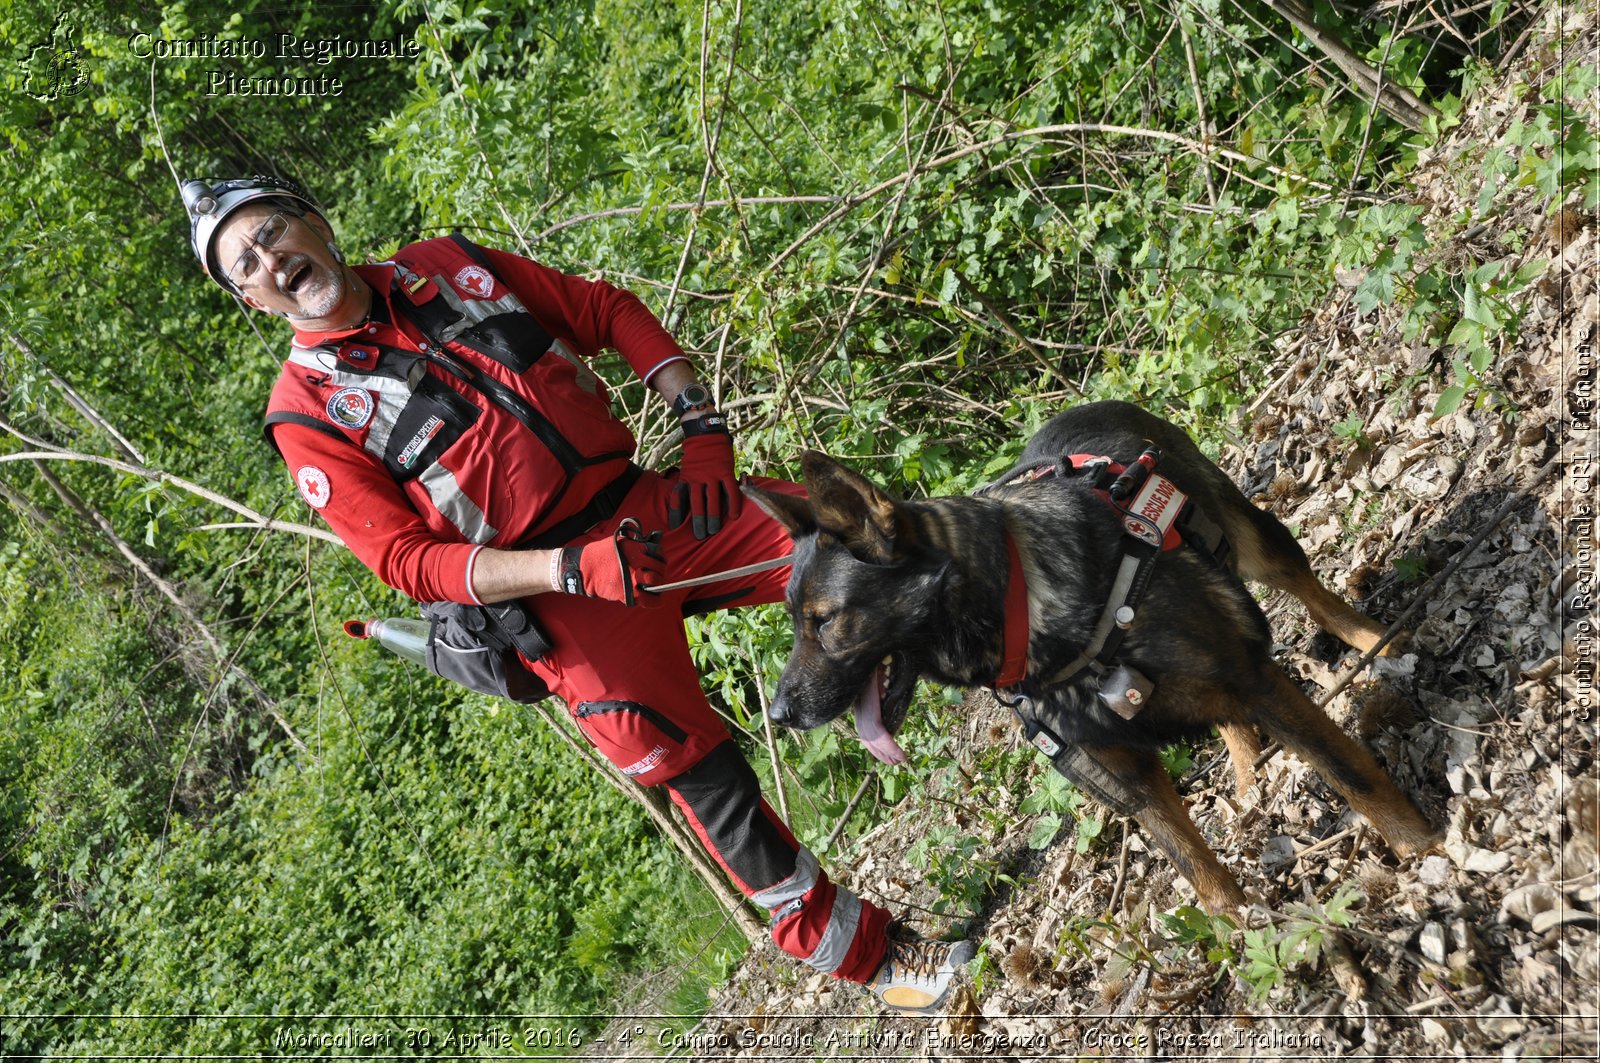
x=507, y=624
x=509, y=401
x=605, y=502
x=432, y=326
x=600, y=507
x=516, y=340
x=278, y=417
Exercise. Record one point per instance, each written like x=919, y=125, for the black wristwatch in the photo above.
x=692, y=397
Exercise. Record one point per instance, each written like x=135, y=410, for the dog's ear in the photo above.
x=793, y=513
x=854, y=509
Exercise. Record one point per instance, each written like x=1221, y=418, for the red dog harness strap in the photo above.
x=1154, y=512
x=1014, y=637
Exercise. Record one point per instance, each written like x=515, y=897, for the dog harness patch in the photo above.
x=1153, y=514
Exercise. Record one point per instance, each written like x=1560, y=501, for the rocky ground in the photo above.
x=1480, y=522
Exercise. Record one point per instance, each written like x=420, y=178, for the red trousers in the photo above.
x=628, y=680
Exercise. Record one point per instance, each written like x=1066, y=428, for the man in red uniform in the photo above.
x=437, y=411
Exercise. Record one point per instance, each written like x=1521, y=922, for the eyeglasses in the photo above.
x=267, y=236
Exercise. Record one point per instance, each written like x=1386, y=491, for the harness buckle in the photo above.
x=1096, y=470
x=1037, y=735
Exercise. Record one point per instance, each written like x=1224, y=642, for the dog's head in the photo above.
x=861, y=594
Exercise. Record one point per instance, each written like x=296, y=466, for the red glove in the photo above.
x=707, y=492
x=619, y=569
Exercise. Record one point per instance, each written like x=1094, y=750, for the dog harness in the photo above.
x=1156, y=517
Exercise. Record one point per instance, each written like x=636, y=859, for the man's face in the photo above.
x=296, y=275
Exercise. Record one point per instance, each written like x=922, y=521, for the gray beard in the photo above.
x=323, y=300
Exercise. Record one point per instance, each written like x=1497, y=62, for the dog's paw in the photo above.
x=1417, y=844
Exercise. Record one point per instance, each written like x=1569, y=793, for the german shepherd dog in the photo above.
x=884, y=592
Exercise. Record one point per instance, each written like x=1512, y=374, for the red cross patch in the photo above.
x=314, y=486
x=475, y=280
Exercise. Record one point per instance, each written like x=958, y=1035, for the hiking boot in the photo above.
x=916, y=975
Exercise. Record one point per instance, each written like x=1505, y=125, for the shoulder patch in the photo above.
x=475, y=280
x=351, y=408
x=314, y=486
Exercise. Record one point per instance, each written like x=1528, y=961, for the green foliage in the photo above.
x=1469, y=308
x=1411, y=567
x=1189, y=925
x=1053, y=794
x=1263, y=957
x=1178, y=760
x=950, y=858
x=918, y=240
x=1270, y=953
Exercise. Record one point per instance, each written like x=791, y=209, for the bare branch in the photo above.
x=1014, y=332
x=258, y=520
x=78, y=402
x=623, y=212
x=1405, y=105
x=225, y=661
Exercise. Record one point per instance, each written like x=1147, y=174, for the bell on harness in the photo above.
x=1125, y=691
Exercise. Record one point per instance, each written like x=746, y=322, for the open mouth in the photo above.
x=881, y=707
x=299, y=276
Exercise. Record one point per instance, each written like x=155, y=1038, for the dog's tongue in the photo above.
x=869, y=721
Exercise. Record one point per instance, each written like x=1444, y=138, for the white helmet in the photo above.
x=210, y=204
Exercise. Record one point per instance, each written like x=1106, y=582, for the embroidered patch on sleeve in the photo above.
x=314, y=486
x=351, y=408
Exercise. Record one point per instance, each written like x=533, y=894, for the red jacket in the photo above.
x=418, y=470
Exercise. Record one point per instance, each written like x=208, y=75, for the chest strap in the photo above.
x=1099, y=653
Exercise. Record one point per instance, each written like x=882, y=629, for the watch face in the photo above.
x=692, y=397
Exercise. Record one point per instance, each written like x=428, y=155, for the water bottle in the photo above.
x=398, y=634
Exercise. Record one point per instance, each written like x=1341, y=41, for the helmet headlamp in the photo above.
x=210, y=204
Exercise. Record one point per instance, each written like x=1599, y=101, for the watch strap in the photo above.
x=710, y=424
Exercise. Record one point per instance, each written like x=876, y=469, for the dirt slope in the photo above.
x=1485, y=948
